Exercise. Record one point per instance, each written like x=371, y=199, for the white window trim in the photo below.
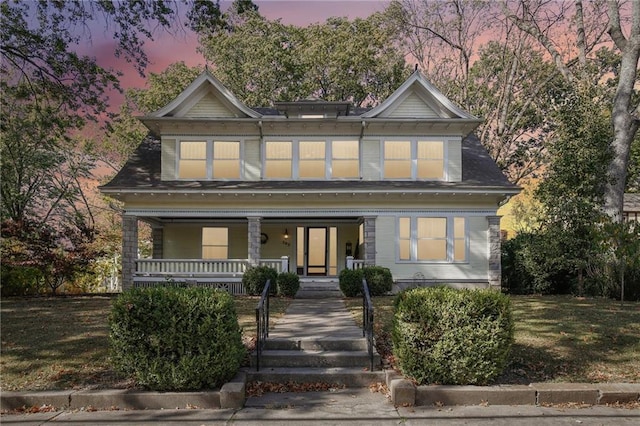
x=413, y=248
x=414, y=157
x=209, y=160
x=295, y=157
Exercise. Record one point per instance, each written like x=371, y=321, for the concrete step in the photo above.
x=347, y=377
x=315, y=359
x=318, y=294
x=329, y=344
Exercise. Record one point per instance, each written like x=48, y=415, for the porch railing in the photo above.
x=354, y=264
x=367, y=320
x=262, y=322
x=202, y=267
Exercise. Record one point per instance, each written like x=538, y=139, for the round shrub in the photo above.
x=456, y=337
x=288, y=284
x=350, y=282
x=379, y=280
x=255, y=278
x=176, y=339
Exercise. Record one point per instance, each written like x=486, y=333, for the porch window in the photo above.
x=215, y=243
x=345, y=159
x=193, y=160
x=311, y=161
x=278, y=156
x=432, y=239
x=226, y=160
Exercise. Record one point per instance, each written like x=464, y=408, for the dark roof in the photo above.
x=142, y=171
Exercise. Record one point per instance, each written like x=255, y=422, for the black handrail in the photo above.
x=367, y=319
x=262, y=320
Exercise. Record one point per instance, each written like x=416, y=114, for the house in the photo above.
x=312, y=187
x=631, y=207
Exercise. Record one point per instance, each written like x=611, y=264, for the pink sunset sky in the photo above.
x=169, y=48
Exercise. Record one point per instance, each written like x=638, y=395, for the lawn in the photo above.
x=557, y=339
x=62, y=342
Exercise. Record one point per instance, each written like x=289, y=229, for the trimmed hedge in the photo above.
x=255, y=278
x=288, y=284
x=379, y=280
x=454, y=337
x=176, y=339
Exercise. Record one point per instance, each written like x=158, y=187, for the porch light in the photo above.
x=285, y=239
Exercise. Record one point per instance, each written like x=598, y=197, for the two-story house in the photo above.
x=312, y=187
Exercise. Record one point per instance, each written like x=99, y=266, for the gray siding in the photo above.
x=209, y=106
x=168, y=159
x=413, y=107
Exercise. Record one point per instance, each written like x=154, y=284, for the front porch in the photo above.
x=217, y=252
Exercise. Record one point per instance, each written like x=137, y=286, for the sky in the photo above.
x=166, y=48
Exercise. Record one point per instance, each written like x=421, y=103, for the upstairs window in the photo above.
x=277, y=160
x=193, y=160
x=215, y=243
x=312, y=157
x=209, y=159
x=397, y=159
x=345, y=160
x=414, y=159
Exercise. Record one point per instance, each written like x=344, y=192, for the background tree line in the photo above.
x=556, y=82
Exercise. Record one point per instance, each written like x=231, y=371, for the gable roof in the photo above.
x=205, y=88
x=418, y=94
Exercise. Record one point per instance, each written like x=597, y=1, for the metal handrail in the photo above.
x=367, y=319
x=262, y=320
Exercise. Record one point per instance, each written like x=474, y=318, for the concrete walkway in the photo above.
x=316, y=319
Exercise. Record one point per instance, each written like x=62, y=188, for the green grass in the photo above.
x=557, y=338
x=63, y=342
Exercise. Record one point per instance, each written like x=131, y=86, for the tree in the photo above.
x=538, y=19
x=262, y=61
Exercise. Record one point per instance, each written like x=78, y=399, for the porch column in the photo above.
x=129, y=250
x=370, y=240
x=495, y=253
x=157, y=235
x=253, y=236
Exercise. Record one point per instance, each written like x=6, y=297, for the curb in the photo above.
x=404, y=392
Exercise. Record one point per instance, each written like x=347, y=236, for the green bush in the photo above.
x=175, y=339
x=350, y=282
x=255, y=278
x=448, y=336
x=288, y=284
x=379, y=280
x=20, y=281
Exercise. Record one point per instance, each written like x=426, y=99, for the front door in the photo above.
x=316, y=251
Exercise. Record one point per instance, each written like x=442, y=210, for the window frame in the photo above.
x=210, y=166
x=451, y=239
x=414, y=160
x=296, y=160
x=203, y=245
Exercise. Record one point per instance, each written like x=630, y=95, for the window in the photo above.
x=226, y=160
x=414, y=159
x=345, y=159
x=277, y=163
x=209, y=159
x=430, y=160
x=193, y=160
x=215, y=243
x=397, y=159
x=432, y=239
x=311, y=159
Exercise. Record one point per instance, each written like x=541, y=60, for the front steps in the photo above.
x=318, y=288
x=340, y=362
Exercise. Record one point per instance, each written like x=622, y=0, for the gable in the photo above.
x=206, y=97
x=208, y=106
x=412, y=106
